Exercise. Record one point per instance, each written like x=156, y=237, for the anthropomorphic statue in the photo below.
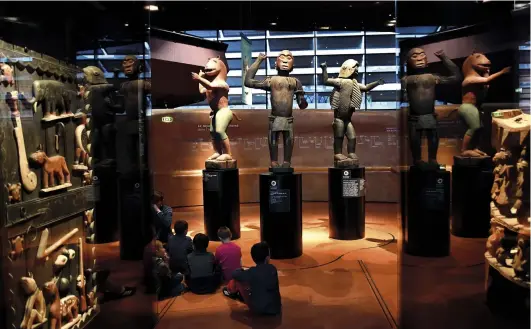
x=283, y=90
x=522, y=182
x=53, y=167
x=35, y=309
x=521, y=259
x=213, y=84
x=100, y=99
x=344, y=100
x=134, y=91
x=494, y=241
x=418, y=88
x=477, y=77
x=15, y=192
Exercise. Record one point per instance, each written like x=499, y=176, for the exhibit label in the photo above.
x=210, y=181
x=434, y=196
x=352, y=187
x=279, y=199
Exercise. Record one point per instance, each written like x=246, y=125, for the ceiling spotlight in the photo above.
x=273, y=23
x=393, y=21
x=126, y=24
x=390, y=24
x=151, y=8
x=11, y=19
x=325, y=28
x=520, y=5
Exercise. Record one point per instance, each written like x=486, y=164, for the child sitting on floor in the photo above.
x=228, y=255
x=203, y=276
x=169, y=283
x=258, y=286
x=179, y=246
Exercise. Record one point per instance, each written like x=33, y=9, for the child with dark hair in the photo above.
x=258, y=286
x=169, y=283
x=162, y=217
x=203, y=275
x=228, y=255
x=179, y=246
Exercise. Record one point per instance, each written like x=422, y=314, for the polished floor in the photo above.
x=335, y=284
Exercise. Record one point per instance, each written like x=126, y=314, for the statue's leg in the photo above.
x=469, y=114
x=272, y=140
x=216, y=142
x=224, y=117
x=433, y=144
x=415, y=142
x=287, y=136
x=339, y=128
x=351, y=143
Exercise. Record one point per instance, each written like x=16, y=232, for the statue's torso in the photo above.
x=345, y=99
x=282, y=95
x=421, y=93
x=218, y=98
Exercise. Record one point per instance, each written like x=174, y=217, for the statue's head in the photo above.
x=38, y=156
x=215, y=67
x=478, y=63
x=284, y=61
x=416, y=59
x=349, y=69
x=28, y=284
x=94, y=75
x=131, y=66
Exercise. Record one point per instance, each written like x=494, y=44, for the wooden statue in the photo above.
x=54, y=166
x=35, y=310
x=52, y=293
x=494, y=241
x=54, y=98
x=15, y=194
x=70, y=310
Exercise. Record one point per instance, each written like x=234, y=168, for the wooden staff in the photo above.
x=82, y=298
x=44, y=239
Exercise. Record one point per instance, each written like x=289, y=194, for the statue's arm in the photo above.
x=205, y=85
x=329, y=81
x=299, y=95
x=250, y=82
x=455, y=73
x=371, y=86
x=487, y=80
x=403, y=88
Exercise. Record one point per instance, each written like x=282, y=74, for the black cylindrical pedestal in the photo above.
x=221, y=201
x=426, y=212
x=106, y=205
x=346, y=203
x=281, y=214
x=135, y=214
x=471, y=185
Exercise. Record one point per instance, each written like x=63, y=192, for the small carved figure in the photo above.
x=54, y=98
x=418, y=88
x=344, y=100
x=494, y=241
x=87, y=178
x=283, y=89
x=17, y=247
x=522, y=169
x=53, y=167
x=502, y=255
x=52, y=294
x=81, y=142
x=35, y=309
x=521, y=259
x=89, y=217
x=69, y=308
x=15, y=193
x=213, y=83
x=502, y=181
x=6, y=74
x=476, y=70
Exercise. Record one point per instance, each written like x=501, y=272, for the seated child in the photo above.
x=228, y=255
x=258, y=286
x=162, y=217
x=203, y=276
x=179, y=246
x=169, y=283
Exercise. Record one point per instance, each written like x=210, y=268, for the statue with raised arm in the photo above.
x=213, y=83
x=283, y=89
x=344, y=100
x=418, y=88
x=476, y=71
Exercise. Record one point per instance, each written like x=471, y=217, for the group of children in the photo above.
x=183, y=264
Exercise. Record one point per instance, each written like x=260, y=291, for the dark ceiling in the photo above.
x=61, y=28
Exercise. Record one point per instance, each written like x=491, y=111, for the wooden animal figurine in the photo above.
x=52, y=293
x=494, y=241
x=521, y=259
x=15, y=193
x=17, y=247
x=53, y=167
x=69, y=309
x=35, y=310
x=89, y=217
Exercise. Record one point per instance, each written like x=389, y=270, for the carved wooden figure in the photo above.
x=521, y=259
x=54, y=98
x=15, y=194
x=87, y=178
x=6, y=74
x=17, y=247
x=70, y=309
x=494, y=241
x=35, y=310
x=54, y=166
x=81, y=160
x=52, y=293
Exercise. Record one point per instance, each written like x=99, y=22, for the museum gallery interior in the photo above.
x=367, y=162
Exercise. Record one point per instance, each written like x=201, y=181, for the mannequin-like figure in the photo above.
x=213, y=83
x=418, y=88
x=283, y=89
x=134, y=93
x=476, y=70
x=344, y=100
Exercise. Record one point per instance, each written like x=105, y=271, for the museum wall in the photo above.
x=180, y=143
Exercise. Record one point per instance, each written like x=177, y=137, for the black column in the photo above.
x=346, y=203
x=472, y=180
x=221, y=201
x=281, y=213
x=426, y=212
x=106, y=204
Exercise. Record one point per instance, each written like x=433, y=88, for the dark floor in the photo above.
x=335, y=284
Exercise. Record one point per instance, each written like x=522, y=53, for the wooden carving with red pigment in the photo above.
x=54, y=166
